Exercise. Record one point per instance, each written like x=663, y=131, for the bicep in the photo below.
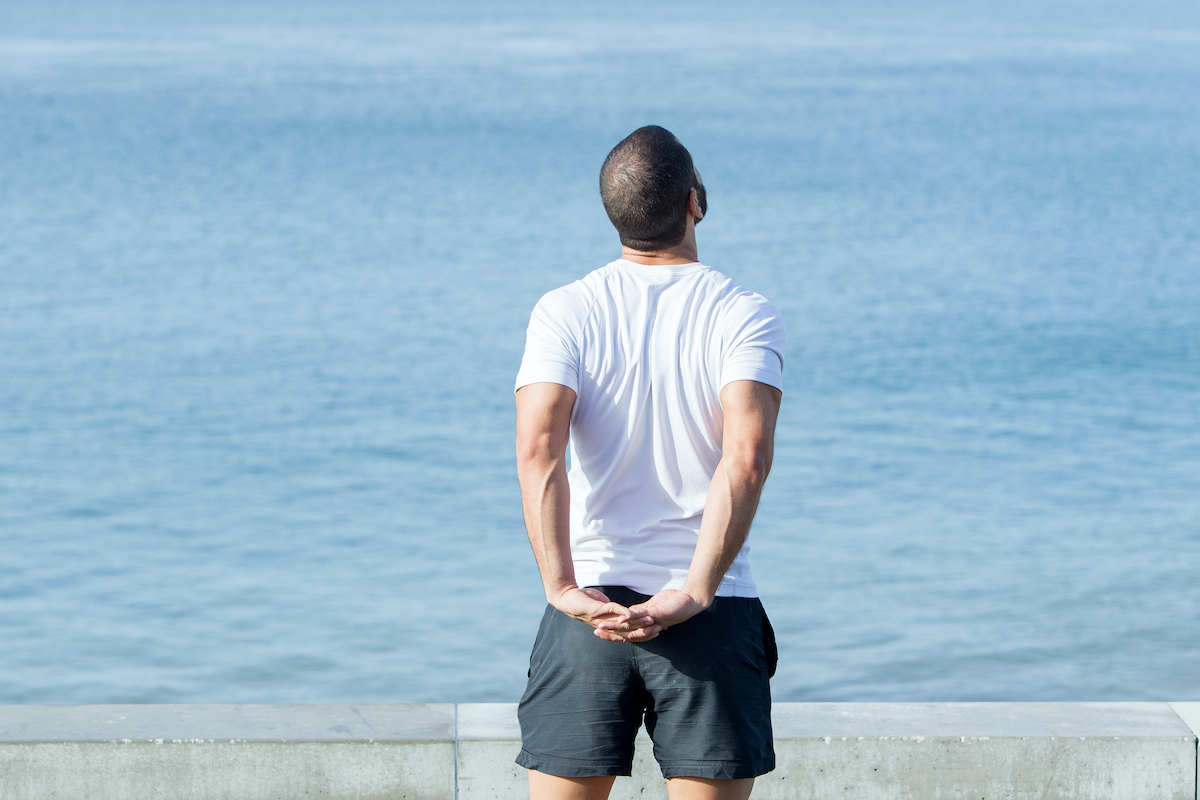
x=543, y=419
x=750, y=410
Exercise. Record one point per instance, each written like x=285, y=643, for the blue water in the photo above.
x=265, y=271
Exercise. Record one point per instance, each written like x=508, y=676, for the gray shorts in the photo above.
x=701, y=686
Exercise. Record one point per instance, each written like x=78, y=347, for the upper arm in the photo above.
x=754, y=341
x=543, y=420
x=750, y=411
x=751, y=381
x=552, y=341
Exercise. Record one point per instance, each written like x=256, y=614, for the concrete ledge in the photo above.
x=1189, y=713
x=1009, y=750
x=917, y=751
x=914, y=751
x=206, y=752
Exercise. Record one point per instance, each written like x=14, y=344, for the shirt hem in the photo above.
x=760, y=375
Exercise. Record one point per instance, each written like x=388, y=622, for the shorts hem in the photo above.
x=572, y=767
x=716, y=770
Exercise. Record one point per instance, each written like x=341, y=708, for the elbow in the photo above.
x=750, y=467
x=527, y=453
x=536, y=452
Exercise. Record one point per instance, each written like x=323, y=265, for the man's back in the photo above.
x=647, y=350
x=665, y=378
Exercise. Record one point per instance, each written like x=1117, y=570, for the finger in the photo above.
x=623, y=626
x=617, y=610
x=610, y=612
x=640, y=622
x=636, y=635
x=645, y=634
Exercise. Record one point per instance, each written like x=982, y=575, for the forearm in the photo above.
x=543, y=431
x=546, y=500
x=733, y=496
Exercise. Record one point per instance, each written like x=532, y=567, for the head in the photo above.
x=645, y=184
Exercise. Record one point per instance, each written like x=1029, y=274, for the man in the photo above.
x=665, y=378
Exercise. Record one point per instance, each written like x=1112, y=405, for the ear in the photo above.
x=693, y=206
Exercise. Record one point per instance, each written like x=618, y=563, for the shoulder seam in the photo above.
x=595, y=299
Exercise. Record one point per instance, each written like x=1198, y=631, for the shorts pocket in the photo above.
x=770, y=647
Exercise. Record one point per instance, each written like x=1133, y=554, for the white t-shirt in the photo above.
x=647, y=351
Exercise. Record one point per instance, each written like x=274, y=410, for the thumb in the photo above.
x=596, y=594
x=614, y=608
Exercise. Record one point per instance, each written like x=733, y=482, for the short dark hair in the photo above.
x=644, y=185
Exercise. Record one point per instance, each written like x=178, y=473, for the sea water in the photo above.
x=265, y=271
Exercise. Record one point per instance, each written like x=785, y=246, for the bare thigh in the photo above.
x=552, y=787
x=706, y=789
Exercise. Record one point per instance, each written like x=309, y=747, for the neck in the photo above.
x=658, y=258
x=683, y=253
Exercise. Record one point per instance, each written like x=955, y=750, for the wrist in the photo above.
x=555, y=592
x=702, y=596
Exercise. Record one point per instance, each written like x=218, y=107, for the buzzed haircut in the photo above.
x=644, y=185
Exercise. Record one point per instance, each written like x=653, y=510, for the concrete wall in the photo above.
x=203, y=752
x=917, y=751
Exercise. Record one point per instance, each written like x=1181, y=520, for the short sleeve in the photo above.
x=551, y=349
x=755, y=342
